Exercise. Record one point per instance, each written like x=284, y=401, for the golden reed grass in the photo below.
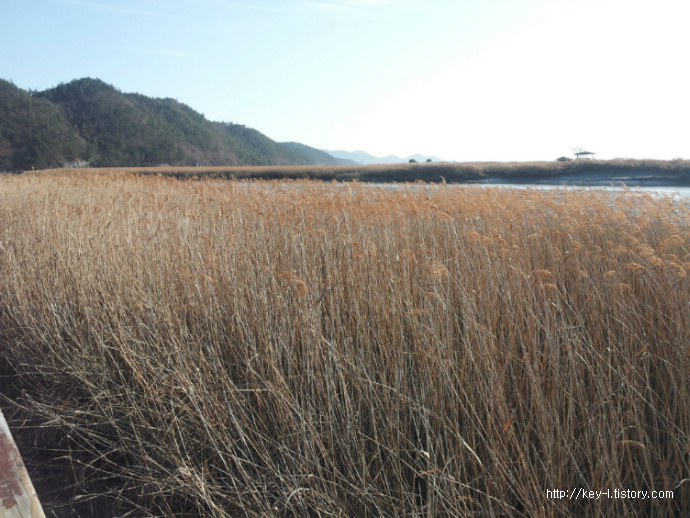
x=314, y=349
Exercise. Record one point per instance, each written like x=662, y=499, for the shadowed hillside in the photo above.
x=34, y=131
x=89, y=121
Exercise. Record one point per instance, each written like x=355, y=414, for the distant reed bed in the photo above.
x=651, y=172
x=317, y=349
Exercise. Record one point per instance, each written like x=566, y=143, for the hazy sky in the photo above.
x=460, y=79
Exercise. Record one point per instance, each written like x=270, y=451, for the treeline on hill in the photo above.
x=88, y=121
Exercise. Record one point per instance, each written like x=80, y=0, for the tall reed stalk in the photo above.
x=314, y=349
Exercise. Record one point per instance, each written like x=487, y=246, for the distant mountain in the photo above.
x=91, y=122
x=361, y=157
x=317, y=156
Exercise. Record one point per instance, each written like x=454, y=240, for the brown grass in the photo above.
x=661, y=172
x=312, y=349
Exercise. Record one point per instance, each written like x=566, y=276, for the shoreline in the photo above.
x=644, y=173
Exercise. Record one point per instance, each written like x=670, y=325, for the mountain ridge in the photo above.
x=318, y=156
x=90, y=122
x=364, y=158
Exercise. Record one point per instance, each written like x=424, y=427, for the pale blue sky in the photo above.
x=460, y=79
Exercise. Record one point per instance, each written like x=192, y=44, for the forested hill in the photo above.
x=89, y=121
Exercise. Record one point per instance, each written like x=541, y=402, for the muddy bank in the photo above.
x=631, y=173
x=632, y=178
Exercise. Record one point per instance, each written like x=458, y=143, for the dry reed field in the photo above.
x=285, y=349
x=653, y=172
